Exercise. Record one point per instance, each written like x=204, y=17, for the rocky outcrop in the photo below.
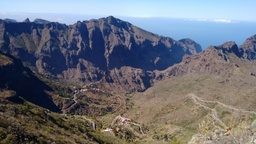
x=94, y=50
x=9, y=20
x=26, y=20
x=229, y=47
x=216, y=60
x=249, y=48
x=40, y=21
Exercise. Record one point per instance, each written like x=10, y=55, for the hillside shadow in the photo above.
x=26, y=85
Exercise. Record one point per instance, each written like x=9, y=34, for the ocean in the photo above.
x=205, y=33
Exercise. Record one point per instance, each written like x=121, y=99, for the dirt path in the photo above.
x=138, y=125
x=121, y=119
x=222, y=104
x=74, y=98
x=214, y=112
x=197, y=101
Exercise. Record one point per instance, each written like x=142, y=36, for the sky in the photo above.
x=208, y=22
x=242, y=10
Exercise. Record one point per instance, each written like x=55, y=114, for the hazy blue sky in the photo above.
x=198, y=9
x=208, y=22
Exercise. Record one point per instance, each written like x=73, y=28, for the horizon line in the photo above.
x=12, y=15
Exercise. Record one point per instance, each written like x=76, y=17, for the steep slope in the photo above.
x=23, y=83
x=27, y=123
x=214, y=60
x=28, y=107
x=18, y=82
x=90, y=51
x=207, y=98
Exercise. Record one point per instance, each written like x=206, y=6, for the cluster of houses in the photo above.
x=89, y=87
x=107, y=130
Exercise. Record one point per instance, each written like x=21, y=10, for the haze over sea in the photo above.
x=204, y=32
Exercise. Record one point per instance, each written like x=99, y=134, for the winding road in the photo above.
x=214, y=112
x=138, y=126
x=74, y=98
x=197, y=101
x=128, y=122
x=194, y=97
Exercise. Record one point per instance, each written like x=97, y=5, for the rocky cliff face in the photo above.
x=249, y=48
x=106, y=49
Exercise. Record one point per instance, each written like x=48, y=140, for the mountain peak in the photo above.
x=10, y=20
x=94, y=50
x=40, y=21
x=252, y=38
x=111, y=18
x=26, y=20
x=249, y=48
x=186, y=40
x=193, y=47
x=114, y=21
x=228, y=47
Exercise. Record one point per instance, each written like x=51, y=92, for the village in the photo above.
x=89, y=88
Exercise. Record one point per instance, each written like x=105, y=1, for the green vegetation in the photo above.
x=28, y=123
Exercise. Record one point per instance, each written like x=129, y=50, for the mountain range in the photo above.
x=135, y=86
x=108, y=50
